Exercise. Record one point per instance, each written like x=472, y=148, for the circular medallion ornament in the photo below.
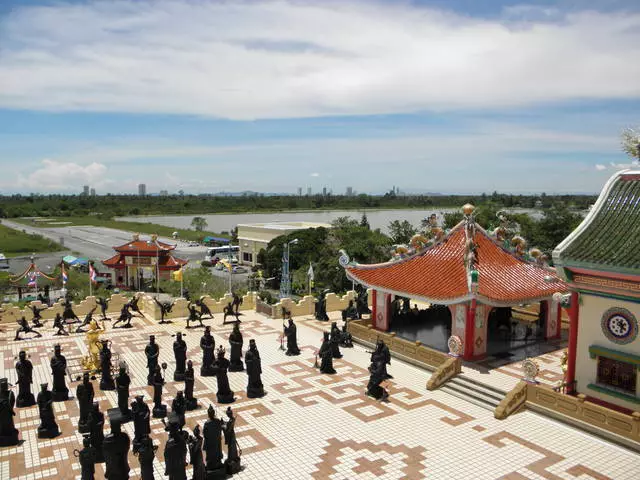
x=455, y=345
x=619, y=325
x=530, y=369
x=344, y=259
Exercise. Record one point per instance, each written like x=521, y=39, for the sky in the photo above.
x=450, y=96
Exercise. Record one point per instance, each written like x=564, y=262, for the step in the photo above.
x=473, y=383
x=470, y=396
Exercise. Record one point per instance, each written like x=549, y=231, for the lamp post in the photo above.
x=154, y=241
x=285, y=280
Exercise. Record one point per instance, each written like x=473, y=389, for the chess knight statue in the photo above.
x=91, y=362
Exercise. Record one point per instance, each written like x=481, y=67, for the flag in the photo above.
x=226, y=264
x=33, y=279
x=310, y=272
x=65, y=277
x=92, y=274
x=177, y=275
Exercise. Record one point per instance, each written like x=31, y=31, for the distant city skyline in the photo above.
x=455, y=97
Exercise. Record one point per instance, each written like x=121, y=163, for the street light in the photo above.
x=285, y=280
x=154, y=240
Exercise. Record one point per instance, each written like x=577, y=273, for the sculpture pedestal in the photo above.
x=236, y=367
x=48, y=432
x=25, y=401
x=192, y=404
x=118, y=416
x=207, y=371
x=226, y=398
x=60, y=395
x=218, y=473
x=159, y=411
x=178, y=376
x=255, y=392
x=107, y=384
x=232, y=466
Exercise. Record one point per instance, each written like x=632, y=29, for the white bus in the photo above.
x=214, y=254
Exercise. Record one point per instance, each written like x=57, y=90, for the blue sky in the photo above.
x=456, y=97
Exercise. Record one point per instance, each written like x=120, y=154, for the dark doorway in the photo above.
x=431, y=326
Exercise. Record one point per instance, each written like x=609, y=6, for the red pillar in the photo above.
x=374, y=307
x=559, y=321
x=573, y=341
x=469, y=333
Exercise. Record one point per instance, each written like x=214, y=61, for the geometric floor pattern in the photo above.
x=313, y=426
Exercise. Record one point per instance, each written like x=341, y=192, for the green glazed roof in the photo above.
x=610, y=240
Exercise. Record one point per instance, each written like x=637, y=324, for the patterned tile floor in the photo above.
x=316, y=426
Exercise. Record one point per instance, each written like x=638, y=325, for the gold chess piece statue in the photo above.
x=91, y=362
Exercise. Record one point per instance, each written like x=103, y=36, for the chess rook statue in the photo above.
x=255, y=389
x=159, y=408
x=145, y=450
x=60, y=392
x=24, y=369
x=116, y=451
x=225, y=394
x=175, y=452
x=106, y=377
x=212, y=432
x=292, y=338
x=178, y=408
x=189, y=382
x=87, y=459
x=96, y=430
x=235, y=341
x=141, y=419
x=8, y=431
x=336, y=336
x=152, y=351
x=84, y=394
x=48, y=427
x=180, y=354
x=326, y=356
x=378, y=375
x=207, y=344
x=195, y=455
x=123, y=380
x=232, y=463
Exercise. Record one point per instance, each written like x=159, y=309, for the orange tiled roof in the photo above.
x=117, y=261
x=172, y=262
x=142, y=246
x=438, y=274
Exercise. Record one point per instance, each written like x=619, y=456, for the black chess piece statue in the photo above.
x=123, y=380
x=87, y=459
x=106, y=377
x=159, y=408
x=228, y=312
x=8, y=431
x=326, y=356
x=179, y=407
x=207, y=344
x=204, y=310
x=185, y=295
x=104, y=304
x=165, y=307
x=195, y=455
x=235, y=341
x=59, y=325
x=141, y=419
x=336, y=336
x=84, y=394
x=346, y=340
x=212, y=432
x=152, y=351
x=116, y=454
x=225, y=394
x=37, y=316
x=133, y=304
x=292, y=338
x=321, y=308
x=86, y=321
x=237, y=301
x=255, y=389
x=60, y=392
x=232, y=463
x=194, y=315
x=25, y=328
x=145, y=450
x=125, y=316
x=68, y=313
x=189, y=381
x=24, y=369
x=175, y=452
x=180, y=354
x=374, y=389
x=48, y=427
x=96, y=430
x=383, y=354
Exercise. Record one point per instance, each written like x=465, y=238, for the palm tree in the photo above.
x=199, y=223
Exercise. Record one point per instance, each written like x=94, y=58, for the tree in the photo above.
x=630, y=139
x=401, y=232
x=199, y=223
x=364, y=221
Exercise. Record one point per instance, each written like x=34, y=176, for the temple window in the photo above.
x=617, y=375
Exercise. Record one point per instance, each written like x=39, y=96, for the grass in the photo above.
x=14, y=243
x=139, y=227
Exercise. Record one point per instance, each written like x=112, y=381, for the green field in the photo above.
x=139, y=227
x=14, y=243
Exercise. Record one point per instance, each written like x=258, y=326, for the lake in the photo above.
x=227, y=221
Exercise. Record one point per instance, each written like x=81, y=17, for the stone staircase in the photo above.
x=472, y=391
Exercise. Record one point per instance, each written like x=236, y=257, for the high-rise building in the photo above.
x=142, y=189
x=309, y=191
x=349, y=191
x=324, y=191
x=93, y=192
x=85, y=190
x=164, y=193
x=299, y=191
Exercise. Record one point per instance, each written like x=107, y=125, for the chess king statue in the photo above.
x=91, y=362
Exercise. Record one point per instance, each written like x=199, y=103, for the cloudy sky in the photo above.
x=456, y=96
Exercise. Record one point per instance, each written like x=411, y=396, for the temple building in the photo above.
x=141, y=261
x=601, y=262
x=485, y=293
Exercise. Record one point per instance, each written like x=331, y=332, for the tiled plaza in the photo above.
x=317, y=426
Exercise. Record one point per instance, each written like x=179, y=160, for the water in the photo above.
x=377, y=218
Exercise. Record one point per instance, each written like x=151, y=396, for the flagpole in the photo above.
x=181, y=281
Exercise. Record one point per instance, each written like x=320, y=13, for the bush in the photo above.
x=206, y=263
x=268, y=297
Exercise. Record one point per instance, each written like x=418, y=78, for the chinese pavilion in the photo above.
x=469, y=271
x=601, y=262
x=143, y=259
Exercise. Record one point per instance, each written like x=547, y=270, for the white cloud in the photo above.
x=315, y=174
x=599, y=166
x=623, y=166
x=300, y=59
x=59, y=176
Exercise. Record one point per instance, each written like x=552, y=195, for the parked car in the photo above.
x=239, y=269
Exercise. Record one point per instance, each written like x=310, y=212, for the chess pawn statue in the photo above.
x=232, y=463
x=159, y=409
x=378, y=375
x=326, y=356
x=292, y=339
x=207, y=344
x=225, y=394
x=8, y=431
x=195, y=455
x=96, y=431
x=116, y=454
x=24, y=369
x=146, y=452
x=189, y=382
x=235, y=356
x=123, y=380
x=213, y=446
x=60, y=392
x=106, y=378
x=175, y=452
x=152, y=351
x=255, y=388
x=336, y=336
x=141, y=419
x=48, y=427
x=179, y=407
x=87, y=459
x=180, y=354
x=84, y=394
